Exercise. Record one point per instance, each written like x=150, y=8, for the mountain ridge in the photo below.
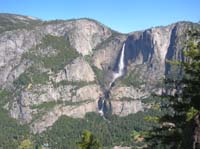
x=91, y=19
x=58, y=68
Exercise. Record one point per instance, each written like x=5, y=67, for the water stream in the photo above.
x=115, y=75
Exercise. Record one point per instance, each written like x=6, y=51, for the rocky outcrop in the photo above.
x=88, y=92
x=83, y=34
x=127, y=92
x=12, y=22
x=23, y=106
x=126, y=100
x=78, y=70
x=70, y=90
x=152, y=48
x=105, y=55
x=148, y=50
x=12, y=45
x=75, y=111
x=87, y=35
x=126, y=107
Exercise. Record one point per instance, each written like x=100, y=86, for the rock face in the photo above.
x=88, y=92
x=124, y=108
x=127, y=92
x=87, y=35
x=12, y=22
x=105, y=56
x=84, y=34
x=23, y=107
x=47, y=84
x=150, y=49
x=78, y=70
x=76, y=111
x=126, y=100
x=12, y=45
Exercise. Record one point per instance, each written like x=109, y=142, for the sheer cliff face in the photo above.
x=83, y=35
x=61, y=67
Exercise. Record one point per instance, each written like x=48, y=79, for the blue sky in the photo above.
x=121, y=15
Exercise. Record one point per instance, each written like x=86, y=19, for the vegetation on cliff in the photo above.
x=177, y=130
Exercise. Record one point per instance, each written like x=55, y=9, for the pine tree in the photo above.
x=89, y=141
x=176, y=130
x=26, y=144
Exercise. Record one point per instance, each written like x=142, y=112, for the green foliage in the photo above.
x=156, y=106
x=55, y=42
x=89, y=141
x=22, y=80
x=191, y=113
x=88, y=58
x=151, y=99
x=40, y=78
x=74, y=83
x=139, y=135
x=11, y=132
x=38, y=115
x=66, y=132
x=5, y=97
x=54, y=21
x=135, y=134
x=46, y=105
x=108, y=40
x=99, y=75
x=154, y=119
x=132, y=79
x=31, y=76
x=26, y=144
x=49, y=105
x=178, y=133
x=9, y=23
x=64, y=53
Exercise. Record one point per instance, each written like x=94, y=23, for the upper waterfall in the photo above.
x=121, y=62
x=121, y=66
x=116, y=75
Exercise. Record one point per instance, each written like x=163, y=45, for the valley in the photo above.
x=60, y=77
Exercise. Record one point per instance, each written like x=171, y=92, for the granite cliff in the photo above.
x=56, y=68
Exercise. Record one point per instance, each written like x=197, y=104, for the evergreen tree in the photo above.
x=176, y=129
x=89, y=141
x=26, y=144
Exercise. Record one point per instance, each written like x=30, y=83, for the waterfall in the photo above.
x=120, y=67
x=116, y=75
x=101, y=112
x=121, y=62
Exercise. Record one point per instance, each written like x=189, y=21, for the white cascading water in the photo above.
x=121, y=67
x=101, y=110
x=116, y=75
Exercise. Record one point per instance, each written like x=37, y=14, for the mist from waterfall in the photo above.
x=116, y=75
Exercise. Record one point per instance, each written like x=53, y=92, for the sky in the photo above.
x=121, y=15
